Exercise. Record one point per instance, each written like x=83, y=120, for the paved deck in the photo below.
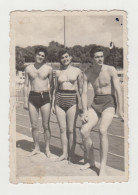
x=41, y=166
x=115, y=132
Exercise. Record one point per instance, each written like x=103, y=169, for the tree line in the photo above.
x=80, y=54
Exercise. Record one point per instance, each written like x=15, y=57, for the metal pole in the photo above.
x=64, y=32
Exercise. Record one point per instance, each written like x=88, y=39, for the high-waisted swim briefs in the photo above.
x=65, y=99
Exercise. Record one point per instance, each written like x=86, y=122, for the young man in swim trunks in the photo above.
x=39, y=75
x=105, y=83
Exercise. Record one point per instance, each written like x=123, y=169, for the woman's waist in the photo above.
x=66, y=95
x=67, y=86
x=62, y=90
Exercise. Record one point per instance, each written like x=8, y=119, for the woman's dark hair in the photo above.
x=41, y=49
x=62, y=52
x=95, y=49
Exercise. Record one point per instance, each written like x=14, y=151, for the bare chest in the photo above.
x=102, y=79
x=41, y=73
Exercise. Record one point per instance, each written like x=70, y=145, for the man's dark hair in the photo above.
x=62, y=52
x=41, y=49
x=95, y=49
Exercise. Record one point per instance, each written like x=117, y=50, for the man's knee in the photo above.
x=45, y=126
x=62, y=129
x=70, y=131
x=103, y=131
x=34, y=126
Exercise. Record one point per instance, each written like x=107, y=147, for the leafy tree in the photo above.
x=80, y=54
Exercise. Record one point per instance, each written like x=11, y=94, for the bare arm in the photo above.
x=26, y=89
x=84, y=93
x=51, y=82
x=54, y=92
x=80, y=82
x=118, y=91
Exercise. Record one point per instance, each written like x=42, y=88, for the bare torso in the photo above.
x=67, y=79
x=101, y=81
x=39, y=78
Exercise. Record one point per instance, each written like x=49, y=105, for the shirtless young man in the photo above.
x=105, y=83
x=40, y=77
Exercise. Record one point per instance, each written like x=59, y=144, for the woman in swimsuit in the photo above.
x=65, y=103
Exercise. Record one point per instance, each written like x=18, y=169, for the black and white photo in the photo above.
x=68, y=97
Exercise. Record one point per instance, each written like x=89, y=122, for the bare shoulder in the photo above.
x=29, y=68
x=49, y=68
x=76, y=70
x=110, y=69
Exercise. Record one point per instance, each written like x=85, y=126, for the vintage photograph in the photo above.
x=68, y=97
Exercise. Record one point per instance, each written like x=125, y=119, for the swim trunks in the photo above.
x=102, y=102
x=39, y=99
x=65, y=99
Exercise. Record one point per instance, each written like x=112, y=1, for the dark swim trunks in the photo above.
x=39, y=99
x=102, y=102
x=65, y=99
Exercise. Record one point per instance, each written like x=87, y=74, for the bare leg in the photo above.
x=61, y=118
x=106, y=119
x=87, y=141
x=71, y=128
x=34, y=114
x=45, y=112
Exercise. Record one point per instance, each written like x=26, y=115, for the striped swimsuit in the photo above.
x=65, y=99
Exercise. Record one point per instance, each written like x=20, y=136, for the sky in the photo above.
x=80, y=30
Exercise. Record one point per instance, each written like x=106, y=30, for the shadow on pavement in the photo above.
x=96, y=170
x=29, y=147
x=25, y=145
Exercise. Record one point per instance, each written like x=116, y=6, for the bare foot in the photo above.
x=72, y=160
x=102, y=172
x=72, y=164
x=85, y=158
x=86, y=166
x=62, y=157
x=34, y=152
x=49, y=155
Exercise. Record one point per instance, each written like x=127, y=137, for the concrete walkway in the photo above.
x=41, y=166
